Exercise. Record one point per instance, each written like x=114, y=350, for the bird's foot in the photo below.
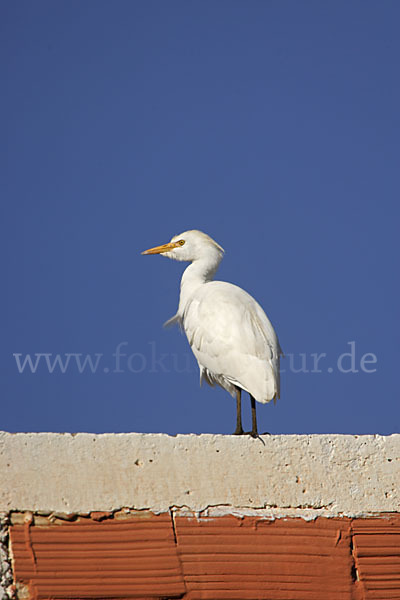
x=253, y=434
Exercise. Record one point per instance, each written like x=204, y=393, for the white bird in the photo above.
x=230, y=335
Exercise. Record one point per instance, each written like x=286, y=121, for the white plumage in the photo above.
x=230, y=335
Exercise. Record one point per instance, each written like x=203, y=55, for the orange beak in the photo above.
x=161, y=249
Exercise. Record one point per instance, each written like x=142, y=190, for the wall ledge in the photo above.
x=274, y=476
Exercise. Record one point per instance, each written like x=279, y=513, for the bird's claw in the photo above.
x=253, y=434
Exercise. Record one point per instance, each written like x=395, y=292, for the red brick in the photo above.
x=377, y=556
x=251, y=559
x=108, y=559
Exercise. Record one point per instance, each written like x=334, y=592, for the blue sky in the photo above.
x=272, y=126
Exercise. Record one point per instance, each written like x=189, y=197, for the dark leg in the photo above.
x=254, y=432
x=239, y=428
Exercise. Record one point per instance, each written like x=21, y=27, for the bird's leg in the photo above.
x=239, y=428
x=253, y=432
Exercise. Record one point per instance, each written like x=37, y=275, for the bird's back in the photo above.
x=233, y=340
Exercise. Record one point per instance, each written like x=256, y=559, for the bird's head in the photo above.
x=189, y=246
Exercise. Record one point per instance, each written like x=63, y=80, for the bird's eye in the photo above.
x=181, y=242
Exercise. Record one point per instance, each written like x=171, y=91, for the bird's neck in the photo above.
x=198, y=273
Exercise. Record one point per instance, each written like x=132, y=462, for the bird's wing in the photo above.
x=230, y=335
x=265, y=326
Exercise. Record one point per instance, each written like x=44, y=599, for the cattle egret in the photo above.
x=231, y=337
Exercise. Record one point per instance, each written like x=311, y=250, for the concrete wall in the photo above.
x=307, y=474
